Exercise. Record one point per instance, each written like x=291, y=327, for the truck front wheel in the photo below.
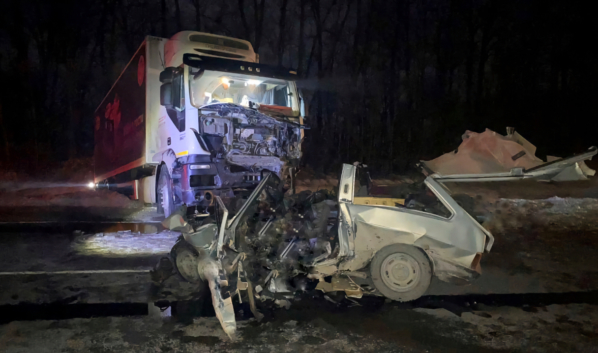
x=401, y=272
x=165, y=193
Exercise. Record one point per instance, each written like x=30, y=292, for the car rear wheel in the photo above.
x=401, y=272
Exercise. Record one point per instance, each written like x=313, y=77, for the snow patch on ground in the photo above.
x=567, y=204
x=125, y=243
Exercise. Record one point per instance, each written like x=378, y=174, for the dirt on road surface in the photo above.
x=318, y=326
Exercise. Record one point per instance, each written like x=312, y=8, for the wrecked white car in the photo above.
x=277, y=244
x=403, y=245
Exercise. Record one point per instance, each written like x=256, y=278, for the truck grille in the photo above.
x=201, y=180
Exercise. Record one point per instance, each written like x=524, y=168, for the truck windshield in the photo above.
x=209, y=87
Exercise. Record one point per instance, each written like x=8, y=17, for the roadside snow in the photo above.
x=125, y=243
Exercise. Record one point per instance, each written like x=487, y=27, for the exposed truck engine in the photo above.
x=247, y=139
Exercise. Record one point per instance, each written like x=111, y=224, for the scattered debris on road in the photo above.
x=489, y=153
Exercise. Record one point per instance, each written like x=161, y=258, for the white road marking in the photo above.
x=21, y=273
x=79, y=222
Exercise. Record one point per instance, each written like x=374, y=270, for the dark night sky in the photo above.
x=389, y=82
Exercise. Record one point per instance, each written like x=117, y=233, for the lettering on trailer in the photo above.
x=131, y=128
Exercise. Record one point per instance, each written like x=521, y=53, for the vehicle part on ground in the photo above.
x=401, y=272
x=165, y=193
x=563, y=169
x=494, y=157
x=341, y=283
x=221, y=298
x=176, y=221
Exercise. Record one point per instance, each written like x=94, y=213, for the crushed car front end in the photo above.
x=277, y=245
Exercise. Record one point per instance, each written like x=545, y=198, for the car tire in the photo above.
x=185, y=260
x=165, y=193
x=401, y=272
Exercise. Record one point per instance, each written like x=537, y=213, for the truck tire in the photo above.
x=401, y=272
x=185, y=259
x=111, y=183
x=165, y=193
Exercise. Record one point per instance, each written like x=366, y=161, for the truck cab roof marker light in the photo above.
x=199, y=166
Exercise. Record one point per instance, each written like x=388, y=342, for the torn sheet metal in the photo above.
x=488, y=153
x=221, y=298
x=562, y=169
x=276, y=244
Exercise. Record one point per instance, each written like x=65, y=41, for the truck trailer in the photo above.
x=193, y=117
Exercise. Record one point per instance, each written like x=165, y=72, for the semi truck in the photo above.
x=193, y=117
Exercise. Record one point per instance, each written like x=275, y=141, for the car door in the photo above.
x=365, y=229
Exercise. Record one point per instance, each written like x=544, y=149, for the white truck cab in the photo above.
x=214, y=120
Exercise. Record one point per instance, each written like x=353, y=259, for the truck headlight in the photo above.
x=199, y=166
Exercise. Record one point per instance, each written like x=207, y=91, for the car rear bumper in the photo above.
x=450, y=272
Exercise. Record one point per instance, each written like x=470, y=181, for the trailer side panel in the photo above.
x=155, y=65
x=120, y=121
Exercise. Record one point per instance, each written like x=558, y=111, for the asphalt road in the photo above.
x=108, y=263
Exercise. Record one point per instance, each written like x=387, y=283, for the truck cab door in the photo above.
x=172, y=95
x=303, y=109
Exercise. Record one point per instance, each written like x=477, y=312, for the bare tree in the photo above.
x=244, y=20
x=163, y=17
x=258, y=15
x=5, y=138
x=337, y=36
x=301, y=45
x=281, y=30
x=258, y=22
x=197, y=6
x=177, y=12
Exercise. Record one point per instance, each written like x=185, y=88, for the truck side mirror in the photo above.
x=303, y=108
x=167, y=75
x=166, y=94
